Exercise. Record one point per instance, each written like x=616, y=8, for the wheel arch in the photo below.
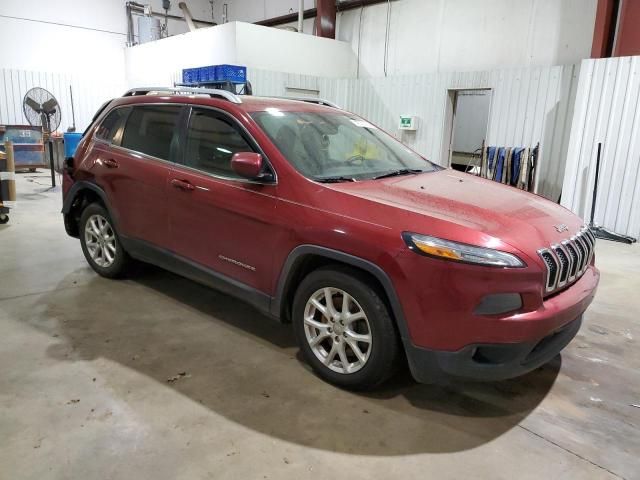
x=306, y=258
x=80, y=195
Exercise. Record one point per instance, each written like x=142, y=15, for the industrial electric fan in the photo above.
x=41, y=109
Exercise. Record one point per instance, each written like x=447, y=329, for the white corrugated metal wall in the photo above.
x=529, y=105
x=267, y=83
x=607, y=111
x=88, y=95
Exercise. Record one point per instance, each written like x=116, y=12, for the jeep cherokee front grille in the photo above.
x=566, y=261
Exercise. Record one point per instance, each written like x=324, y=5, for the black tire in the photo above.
x=4, y=218
x=121, y=259
x=385, y=350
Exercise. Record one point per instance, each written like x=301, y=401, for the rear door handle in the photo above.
x=111, y=163
x=182, y=184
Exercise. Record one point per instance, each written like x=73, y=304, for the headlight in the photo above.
x=460, y=252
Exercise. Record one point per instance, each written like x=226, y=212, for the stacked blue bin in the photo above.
x=231, y=73
x=190, y=76
x=214, y=73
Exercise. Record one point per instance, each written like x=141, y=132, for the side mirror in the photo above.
x=248, y=165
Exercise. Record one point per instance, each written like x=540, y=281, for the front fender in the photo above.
x=297, y=254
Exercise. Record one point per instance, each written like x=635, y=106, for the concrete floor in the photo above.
x=85, y=365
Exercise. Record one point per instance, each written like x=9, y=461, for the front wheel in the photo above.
x=100, y=243
x=344, y=328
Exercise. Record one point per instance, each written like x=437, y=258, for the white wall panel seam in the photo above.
x=617, y=120
x=634, y=148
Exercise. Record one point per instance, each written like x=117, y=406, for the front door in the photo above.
x=216, y=218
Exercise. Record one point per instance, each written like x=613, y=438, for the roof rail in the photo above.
x=317, y=101
x=213, y=92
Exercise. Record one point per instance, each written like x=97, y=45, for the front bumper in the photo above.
x=490, y=362
x=509, y=346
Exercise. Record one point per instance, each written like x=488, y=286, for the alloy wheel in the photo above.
x=100, y=240
x=337, y=330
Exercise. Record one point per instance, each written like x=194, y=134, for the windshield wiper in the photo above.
x=397, y=173
x=335, y=179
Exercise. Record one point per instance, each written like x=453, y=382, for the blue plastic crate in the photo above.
x=207, y=74
x=215, y=73
x=230, y=73
x=210, y=73
x=190, y=75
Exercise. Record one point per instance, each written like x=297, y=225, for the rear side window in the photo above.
x=110, y=126
x=211, y=142
x=150, y=130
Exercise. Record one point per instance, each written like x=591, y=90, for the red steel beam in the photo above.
x=604, y=28
x=628, y=37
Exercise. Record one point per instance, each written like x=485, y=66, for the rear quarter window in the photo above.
x=111, y=125
x=150, y=130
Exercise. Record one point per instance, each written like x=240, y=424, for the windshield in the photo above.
x=338, y=147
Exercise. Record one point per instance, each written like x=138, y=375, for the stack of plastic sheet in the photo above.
x=513, y=166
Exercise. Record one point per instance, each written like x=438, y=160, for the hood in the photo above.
x=519, y=218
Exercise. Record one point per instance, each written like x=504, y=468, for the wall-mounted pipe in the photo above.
x=138, y=9
x=130, y=39
x=187, y=16
x=301, y=16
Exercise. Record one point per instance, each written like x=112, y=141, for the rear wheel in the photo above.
x=344, y=328
x=100, y=243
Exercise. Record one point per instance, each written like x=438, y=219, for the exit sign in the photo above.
x=408, y=122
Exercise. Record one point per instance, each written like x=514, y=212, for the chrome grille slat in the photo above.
x=584, y=251
x=592, y=244
x=552, y=267
x=587, y=237
x=587, y=240
x=563, y=261
x=573, y=260
x=576, y=258
x=576, y=247
x=567, y=261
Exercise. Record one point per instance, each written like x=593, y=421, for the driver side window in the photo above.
x=211, y=142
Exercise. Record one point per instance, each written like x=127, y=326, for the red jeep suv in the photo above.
x=318, y=218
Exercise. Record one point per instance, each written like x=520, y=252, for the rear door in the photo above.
x=216, y=218
x=134, y=170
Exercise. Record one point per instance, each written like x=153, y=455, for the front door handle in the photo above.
x=111, y=163
x=182, y=184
